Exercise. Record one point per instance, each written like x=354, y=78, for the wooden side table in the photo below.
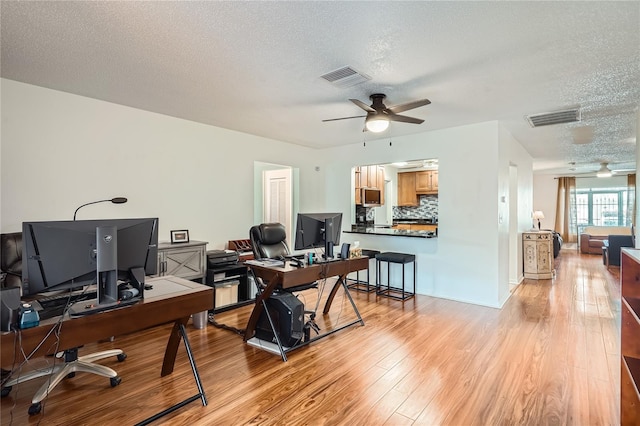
x=537, y=248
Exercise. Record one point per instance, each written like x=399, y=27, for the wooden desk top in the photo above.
x=171, y=299
x=292, y=276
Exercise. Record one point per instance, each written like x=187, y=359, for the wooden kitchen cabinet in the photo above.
x=364, y=177
x=407, y=195
x=423, y=227
x=380, y=182
x=403, y=226
x=630, y=337
x=427, y=182
x=371, y=177
x=538, y=254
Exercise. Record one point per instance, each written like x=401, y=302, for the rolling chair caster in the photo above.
x=5, y=391
x=35, y=408
x=115, y=381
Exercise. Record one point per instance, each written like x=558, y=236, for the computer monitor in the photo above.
x=59, y=255
x=315, y=230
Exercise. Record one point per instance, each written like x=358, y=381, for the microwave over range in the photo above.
x=371, y=197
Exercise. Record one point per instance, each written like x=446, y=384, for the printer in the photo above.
x=219, y=258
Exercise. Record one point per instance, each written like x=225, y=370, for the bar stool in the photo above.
x=360, y=285
x=388, y=290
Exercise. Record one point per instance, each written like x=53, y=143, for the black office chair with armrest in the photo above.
x=613, y=245
x=11, y=264
x=269, y=241
x=11, y=259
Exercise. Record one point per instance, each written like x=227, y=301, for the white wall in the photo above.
x=61, y=150
x=512, y=154
x=545, y=193
x=637, y=221
x=464, y=262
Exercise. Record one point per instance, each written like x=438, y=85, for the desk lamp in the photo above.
x=116, y=200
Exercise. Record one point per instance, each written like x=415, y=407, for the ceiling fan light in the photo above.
x=604, y=171
x=377, y=125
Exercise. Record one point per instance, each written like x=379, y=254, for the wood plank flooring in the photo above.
x=550, y=356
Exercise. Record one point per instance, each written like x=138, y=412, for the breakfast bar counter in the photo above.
x=373, y=230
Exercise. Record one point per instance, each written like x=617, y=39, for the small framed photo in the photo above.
x=181, y=236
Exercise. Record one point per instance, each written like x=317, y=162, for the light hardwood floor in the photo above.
x=550, y=356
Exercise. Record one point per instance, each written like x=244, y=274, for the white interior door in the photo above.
x=277, y=199
x=514, y=240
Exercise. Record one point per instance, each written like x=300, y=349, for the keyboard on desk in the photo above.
x=53, y=306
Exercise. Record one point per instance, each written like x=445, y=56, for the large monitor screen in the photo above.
x=59, y=255
x=318, y=230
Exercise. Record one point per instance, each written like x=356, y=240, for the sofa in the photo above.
x=592, y=237
x=557, y=242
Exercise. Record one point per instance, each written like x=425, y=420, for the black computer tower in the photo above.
x=287, y=314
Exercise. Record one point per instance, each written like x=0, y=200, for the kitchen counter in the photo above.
x=416, y=221
x=390, y=232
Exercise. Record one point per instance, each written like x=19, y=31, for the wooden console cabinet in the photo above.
x=630, y=337
x=184, y=260
x=537, y=250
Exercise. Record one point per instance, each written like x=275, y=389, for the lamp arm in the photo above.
x=87, y=204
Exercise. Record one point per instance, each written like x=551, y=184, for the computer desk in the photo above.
x=171, y=299
x=288, y=276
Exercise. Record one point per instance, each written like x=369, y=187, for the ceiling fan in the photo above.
x=604, y=171
x=379, y=115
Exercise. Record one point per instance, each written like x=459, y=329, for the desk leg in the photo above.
x=172, y=347
x=332, y=294
x=341, y=282
x=192, y=361
x=179, y=331
x=257, y=308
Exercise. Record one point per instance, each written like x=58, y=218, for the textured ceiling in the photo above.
x=255, y=67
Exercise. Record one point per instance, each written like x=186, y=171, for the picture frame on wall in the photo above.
x=179, y=236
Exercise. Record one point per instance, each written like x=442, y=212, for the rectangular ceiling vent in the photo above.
x=556, y=117
x=345, y=77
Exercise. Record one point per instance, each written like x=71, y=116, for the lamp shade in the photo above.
x=538, y=214
x=377, y=124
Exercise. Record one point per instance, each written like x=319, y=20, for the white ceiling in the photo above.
x=255, y=67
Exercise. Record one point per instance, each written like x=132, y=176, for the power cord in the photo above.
x=27, y=358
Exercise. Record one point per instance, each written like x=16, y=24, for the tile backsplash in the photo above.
x=427, y=209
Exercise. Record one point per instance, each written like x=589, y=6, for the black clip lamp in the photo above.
x=116, y=200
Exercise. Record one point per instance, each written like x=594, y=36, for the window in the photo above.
x=602, y=207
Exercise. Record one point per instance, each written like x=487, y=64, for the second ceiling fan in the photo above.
x=379, y=115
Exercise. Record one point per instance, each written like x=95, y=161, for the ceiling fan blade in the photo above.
x=344, y=118
x=405, y=119
x=362, y=105
x=409, y=105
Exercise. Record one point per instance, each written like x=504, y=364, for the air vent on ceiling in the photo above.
x=556, y=117
x=345, y=77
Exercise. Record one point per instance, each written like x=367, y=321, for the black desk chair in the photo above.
x=613, y=245
x=269, y=241
x=11, y=264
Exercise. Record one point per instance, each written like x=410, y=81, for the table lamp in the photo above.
x=538, y=215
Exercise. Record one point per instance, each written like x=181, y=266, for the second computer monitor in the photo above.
x=318, y=230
